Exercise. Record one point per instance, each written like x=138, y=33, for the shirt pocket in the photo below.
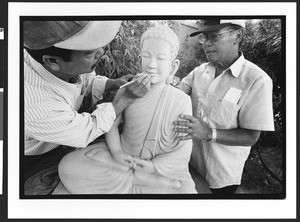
x=224, y=114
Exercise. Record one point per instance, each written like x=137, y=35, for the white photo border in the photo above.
x=133, y=208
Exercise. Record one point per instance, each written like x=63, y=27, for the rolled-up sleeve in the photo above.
x=105, y=115
x=98, y=87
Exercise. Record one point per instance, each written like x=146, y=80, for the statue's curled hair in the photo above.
x=165, y=33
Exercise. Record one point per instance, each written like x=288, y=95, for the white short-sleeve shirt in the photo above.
x=240, y=97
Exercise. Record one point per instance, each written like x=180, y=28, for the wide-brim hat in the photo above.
x=73, y=35
x=212, y=25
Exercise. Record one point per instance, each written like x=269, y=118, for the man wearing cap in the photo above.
x=60, y=58
x=232, y=103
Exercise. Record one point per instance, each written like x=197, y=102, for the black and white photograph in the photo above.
x=157, y=117
x=172, y=110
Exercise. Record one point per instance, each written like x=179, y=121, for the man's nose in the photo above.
x=99, y=52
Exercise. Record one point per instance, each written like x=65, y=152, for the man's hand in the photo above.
x=123, y=158
x=176, y=81
x=125, y=96
x=145, y=166
x=193, y=127
x=113, y=84
x=124, y=79
x=139, y=86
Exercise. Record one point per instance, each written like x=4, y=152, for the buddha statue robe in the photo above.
x=149, y=134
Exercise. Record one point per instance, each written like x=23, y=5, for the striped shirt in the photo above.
x=51, y=104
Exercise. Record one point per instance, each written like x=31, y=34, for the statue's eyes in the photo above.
x=162, y=56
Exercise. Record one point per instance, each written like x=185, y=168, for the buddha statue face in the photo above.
x=157, y=60
x=159, y=47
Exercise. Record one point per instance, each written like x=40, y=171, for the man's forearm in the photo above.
x=236, y=137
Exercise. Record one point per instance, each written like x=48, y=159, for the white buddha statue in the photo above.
x=146, y=157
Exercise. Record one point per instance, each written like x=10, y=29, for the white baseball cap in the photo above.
x=73, y=35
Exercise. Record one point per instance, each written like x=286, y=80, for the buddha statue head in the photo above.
x=159, y=48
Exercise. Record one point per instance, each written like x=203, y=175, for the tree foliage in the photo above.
x=262, y=45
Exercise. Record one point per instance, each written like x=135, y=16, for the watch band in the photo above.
x=214, y=135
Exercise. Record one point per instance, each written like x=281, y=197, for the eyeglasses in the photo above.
x=212, y=36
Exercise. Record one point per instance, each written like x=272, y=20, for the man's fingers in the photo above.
x=139, y=78
x=141, y=86
x=182, y=123
x=188, y=117
x=183, y=130
x=129, y=76
x=145, y=81
x=187, y=137
x=144, y=85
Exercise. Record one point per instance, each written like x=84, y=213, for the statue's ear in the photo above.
x=51, y=62
x=175, y=66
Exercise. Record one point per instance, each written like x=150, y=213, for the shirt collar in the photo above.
x=236, y=67
x=42, y=71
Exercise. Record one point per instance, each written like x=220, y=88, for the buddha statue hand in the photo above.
x=145, y=166
x=123, y=158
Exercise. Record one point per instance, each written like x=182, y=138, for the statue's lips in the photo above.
x=153, y=75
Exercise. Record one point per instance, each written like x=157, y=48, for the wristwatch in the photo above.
x=213, y=135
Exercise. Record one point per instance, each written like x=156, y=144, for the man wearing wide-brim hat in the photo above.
x=60, y=58
x=232, y=103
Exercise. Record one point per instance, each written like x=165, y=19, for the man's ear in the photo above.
x=175, y=66
x=51, y=62
x=239, y=36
